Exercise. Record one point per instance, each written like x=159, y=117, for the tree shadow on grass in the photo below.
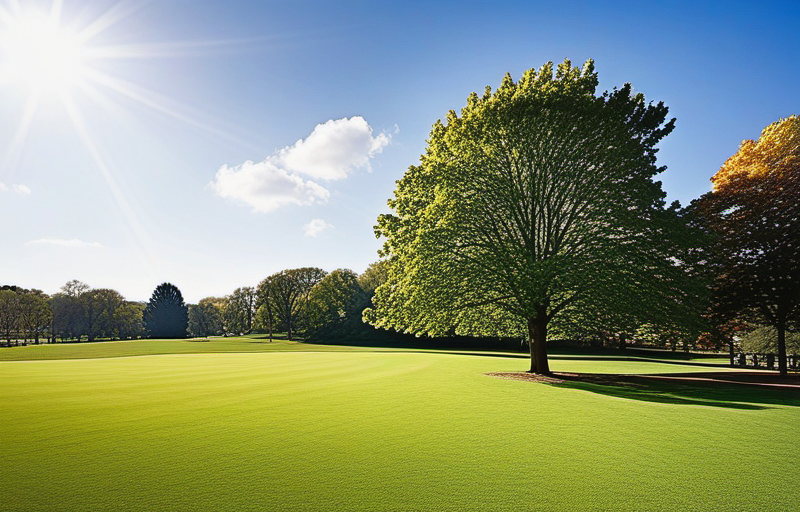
x=735, y=390
x=264, y=338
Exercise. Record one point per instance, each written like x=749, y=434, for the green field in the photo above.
x=240, y=424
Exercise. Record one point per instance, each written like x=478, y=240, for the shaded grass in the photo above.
x=373, y=430
x=738, y=390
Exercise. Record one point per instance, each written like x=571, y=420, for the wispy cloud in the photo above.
x=315, y=227
x=64, y=242
x=332, y=151
x=15, y=188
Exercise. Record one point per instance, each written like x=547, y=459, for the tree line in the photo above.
x=305, y=300
x=308, y=300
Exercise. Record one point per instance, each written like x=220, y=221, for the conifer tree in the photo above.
x=166, y=315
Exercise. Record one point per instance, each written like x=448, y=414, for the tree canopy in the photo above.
x=335, y=305
x=206, y=317
x=240, y=310
x=754, y=211
x=166, y=315
x=536, y=200
x=284, y=295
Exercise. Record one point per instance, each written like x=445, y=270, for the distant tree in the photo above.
x=68, y=317
x=536, y=201
x=667, y=290
x=128, y=320
x=754, y=211
x=75, y=288
x=240, y=310
x=205, y=318
x=166, y=315
x=9, y=314
x=375, y=275
x=764, y=340
x=266, y=302
x=671, y=336
x=68, y=310
x=35, y=314
x=100, y=309
x=287, y=293
x=335, y=305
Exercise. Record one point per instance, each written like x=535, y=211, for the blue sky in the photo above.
x=115, y=179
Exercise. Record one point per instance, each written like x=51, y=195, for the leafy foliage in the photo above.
x=754, y=211
x=764, y=340
x=100, y=309
x=284, y=295
x=24, y=314
x=205, y=318
x=335, y=305
x=536, y=200
x=166, y=315
x=128, y=320
x=9, y=314
x=79, y=310
x=375, y=275
x=240, y=310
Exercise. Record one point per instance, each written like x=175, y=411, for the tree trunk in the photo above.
x=730, y=348
x=537, y=333
x=623, y=341
x=782, y=346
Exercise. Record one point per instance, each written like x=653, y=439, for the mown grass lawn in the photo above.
x=305, y=427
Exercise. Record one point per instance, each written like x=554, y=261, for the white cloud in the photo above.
x=63, y=242
x=315, y=227
x=332, y=151
x=266, y=187
x=16, y=188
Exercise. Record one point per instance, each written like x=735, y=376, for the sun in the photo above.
x=51, y=51
x=40, y=53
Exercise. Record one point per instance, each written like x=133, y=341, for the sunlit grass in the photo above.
x=104, y=349
x=300, y=427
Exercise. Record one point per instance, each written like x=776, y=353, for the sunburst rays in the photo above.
x=68, y=62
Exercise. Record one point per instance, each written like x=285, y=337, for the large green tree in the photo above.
x=754, y=211
x=166, y=315
x=536, y=200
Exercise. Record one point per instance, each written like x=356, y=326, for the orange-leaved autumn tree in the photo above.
x=754, y=210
